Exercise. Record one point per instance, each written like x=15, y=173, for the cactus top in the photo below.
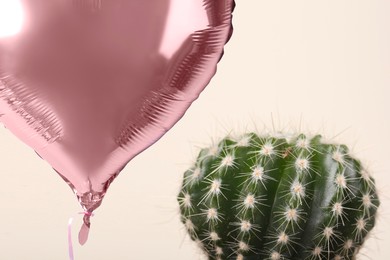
x=265, y=197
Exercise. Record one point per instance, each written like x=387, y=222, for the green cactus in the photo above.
x=264, y=197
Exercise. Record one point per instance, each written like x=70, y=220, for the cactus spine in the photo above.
x=263, y=197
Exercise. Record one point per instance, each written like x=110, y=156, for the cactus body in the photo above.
x=263, y=197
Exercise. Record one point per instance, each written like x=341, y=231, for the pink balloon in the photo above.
x=89, y=84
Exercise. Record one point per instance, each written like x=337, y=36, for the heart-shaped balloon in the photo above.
x=89, y=84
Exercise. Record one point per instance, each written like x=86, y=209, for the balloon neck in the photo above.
x=89, y=201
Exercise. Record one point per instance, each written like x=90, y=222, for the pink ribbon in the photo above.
x=83, y=233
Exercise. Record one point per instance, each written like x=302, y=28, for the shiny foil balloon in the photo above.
x=89, y=84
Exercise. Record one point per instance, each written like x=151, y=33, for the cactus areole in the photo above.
x=265, y=197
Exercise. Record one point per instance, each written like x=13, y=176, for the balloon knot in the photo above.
x=87, y=213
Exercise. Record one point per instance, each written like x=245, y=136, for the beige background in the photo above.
x=322, y=66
